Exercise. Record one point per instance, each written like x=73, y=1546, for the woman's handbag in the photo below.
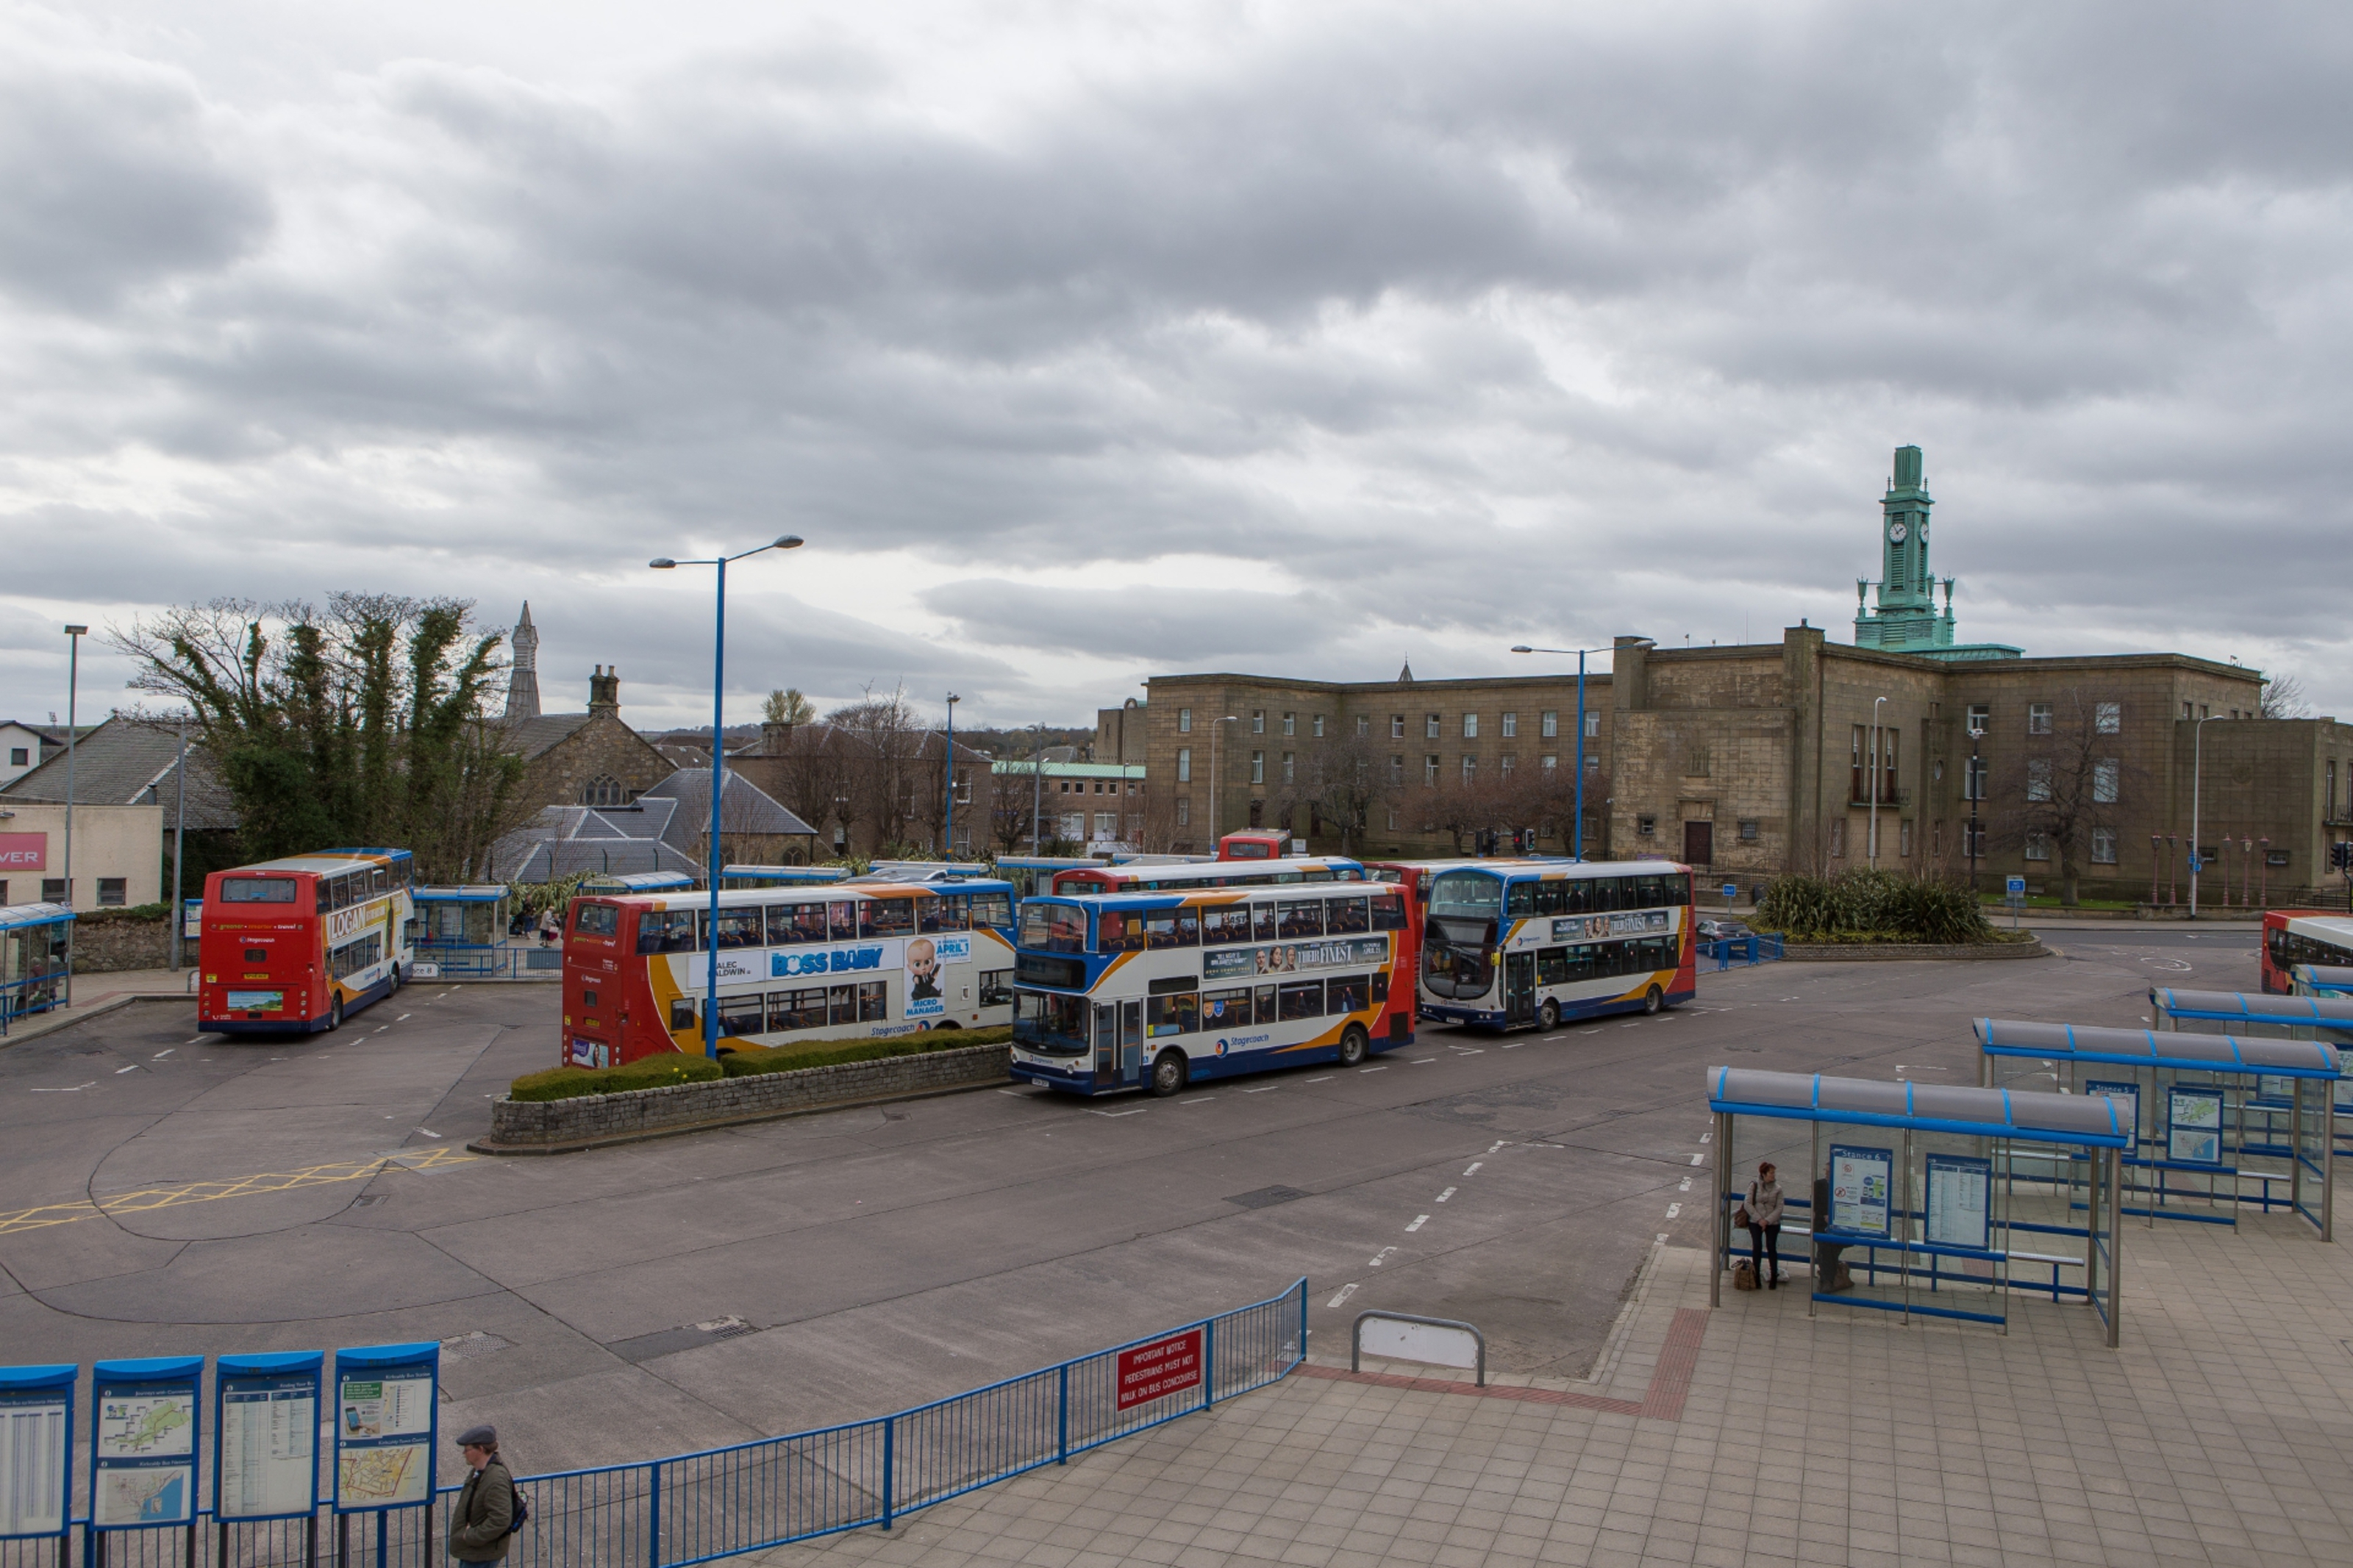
x=1740, y=1220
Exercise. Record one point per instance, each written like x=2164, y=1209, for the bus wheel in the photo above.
x=1548, y=1017
x=335, y=1015
x=1651, y=999
x=1353, y=1045
x=395, y=977
x=1168, y=1074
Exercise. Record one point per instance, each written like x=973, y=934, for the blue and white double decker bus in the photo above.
x=1509, y=944
x=1156, y=990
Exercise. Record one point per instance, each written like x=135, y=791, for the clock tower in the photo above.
x=1905, y=619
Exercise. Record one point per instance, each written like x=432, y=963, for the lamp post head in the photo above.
x=786, y=541
x=661, y=563
x=77, y=631
x=1522, y=647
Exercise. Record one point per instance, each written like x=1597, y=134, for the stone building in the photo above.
x=1910, y=749
x=584, y=759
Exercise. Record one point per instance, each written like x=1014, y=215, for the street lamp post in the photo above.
x=73, y=687
x=2197, y=778
x=179, y=845
x=718, y=765
x=1874, y=781
x=1977, y=788
x=1216, y=827
x=1576, y=829
x=947, y=814
x=2264, y=888
x=2156, y=843
x=1037, y=789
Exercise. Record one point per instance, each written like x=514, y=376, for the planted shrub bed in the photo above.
x=830, y=1053
x=1866, y=907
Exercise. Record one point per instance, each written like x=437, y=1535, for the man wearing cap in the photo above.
x=479, y=1525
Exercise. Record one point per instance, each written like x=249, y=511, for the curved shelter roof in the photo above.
x=2254, y=1007
x=2155, y=1048
x=2086, y=1120
x=2327, y=976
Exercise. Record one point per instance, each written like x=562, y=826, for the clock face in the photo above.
x=1895, y=531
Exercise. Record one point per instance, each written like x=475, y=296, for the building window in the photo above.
x=1397, y=726
x=1319, y=726
x=1291, y=767
x=1429, y=771
x=1184, y=720
x=2038, y=778
x=2038, y=846
x=1838, y=837
x=1903, y=839
x=2204, y=712
x=1431, y=726
x=1364, y=727
x=1393, y=819
x=2038, y=718
x=53, y=890
x=1593, y=726
x=2328, y=800
x=2107, y=778
x=1511, y=725
x=1503, y=764
x=20, y=756
x=2185, y=711
x=1973, y=840
x=605, y=790
x=1748, y=830
x=2108, y=718
x=1258, y=721
x=2103, y=846
x=1291, y=723
x=1551, y=723
x=1184, y=765
x=1106, y=825
x=1470, y=770
x=1973, y=779
x=1397, y=769
x=1646, y=827
x=1470, y=726
x=1548, y=762
x=1258, y=767
x=1183, y=811
x=1980, y=718
x=113, y=892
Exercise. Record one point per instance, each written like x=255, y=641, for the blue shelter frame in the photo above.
x=36, y=960
x=463, y=930
x=1959, y=1187
x=2321, y=1009
x=2262, y=1115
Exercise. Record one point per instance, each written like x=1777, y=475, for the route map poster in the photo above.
x=1959, y=1188
x=143, y=1446
x=267, y=1453
x=36, y=1431
x=1861, y=1184
x=384, y=1427
x=2194, y=1126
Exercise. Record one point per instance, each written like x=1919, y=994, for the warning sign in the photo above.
x=1161, y=1368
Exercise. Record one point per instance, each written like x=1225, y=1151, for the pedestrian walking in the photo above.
x=484, y=1517
x=550, y=928
x=1764, y=1226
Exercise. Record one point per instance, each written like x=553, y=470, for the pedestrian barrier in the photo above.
x=1747, y=951
x=748, y=1496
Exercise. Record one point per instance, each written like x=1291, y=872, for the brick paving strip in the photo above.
x=1662, y=1400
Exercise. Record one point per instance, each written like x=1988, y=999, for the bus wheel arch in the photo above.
x=335, y=1013
x=1355, y=1043
x=1548, y=1016
x=1652, y=999
x=1170, y=1073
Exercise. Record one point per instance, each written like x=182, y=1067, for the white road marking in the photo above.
x=1446, y=1194
x=1673, y=1209
x=1418, y=1221
x=1373, y=1070
x=1376, y=1263
x=1515, y=1045
x=1137, y=1111
x=1468, y=1050
x=1497, y=1144
x=1325, y=1079
x=77, y=1088
x=1013, y=1092
x=162, y=1054
x=1632, y=1024
x=132, y=1068
x=381, y=1028
x=1686, y=1185
x=1263, y=1089
x=1346, y=1291
x=1473, y=1166
x=1663, y=1236
x=429, y=1132
x=404, y=1017
x=1202, y=1100
x=1704, y=1137
x=1697, y=1158
x=1423, y=1061
x=1588, y=1031
x=197, y=1041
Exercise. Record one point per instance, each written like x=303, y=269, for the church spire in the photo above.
x=522, y=676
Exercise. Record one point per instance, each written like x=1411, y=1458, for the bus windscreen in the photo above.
x=258, y=891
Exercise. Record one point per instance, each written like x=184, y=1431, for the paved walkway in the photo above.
x=2220, y=1433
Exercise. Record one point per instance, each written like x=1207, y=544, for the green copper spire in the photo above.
x=1905, y=619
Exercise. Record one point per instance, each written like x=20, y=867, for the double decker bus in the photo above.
x=838, y=962
x=2302, y=936
x=295, y=946
x=1516, y=943
x=1155, y=990
x=766, y=877
x=1085, y=881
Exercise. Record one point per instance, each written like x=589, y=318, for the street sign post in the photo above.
x=2015, y=890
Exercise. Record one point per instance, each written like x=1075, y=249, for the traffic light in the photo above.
x=2340, y=857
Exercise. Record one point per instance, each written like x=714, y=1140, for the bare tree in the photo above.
x=2284, y=699
x=2060, y=796
x=1006, y=803
x=1338, y=786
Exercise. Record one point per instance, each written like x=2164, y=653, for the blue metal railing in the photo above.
x=746, y=1497
x=1741, y=950
x=22, y=998
x=488, y=961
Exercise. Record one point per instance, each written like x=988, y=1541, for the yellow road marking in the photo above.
x=242, y=1186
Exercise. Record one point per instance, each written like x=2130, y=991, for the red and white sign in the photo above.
x=24, y=852
x=1161, y=1368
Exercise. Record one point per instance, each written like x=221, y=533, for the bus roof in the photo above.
x=323, y=863
x=637, y=882
x=1166, y=898
x=2336, y=928
x=1210, y=873
x=736, y=898
x=1538, y=865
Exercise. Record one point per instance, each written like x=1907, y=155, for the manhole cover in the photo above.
x=370, y=1201
x=467, y=1347
x=1266, y=1198
x=669, y=1342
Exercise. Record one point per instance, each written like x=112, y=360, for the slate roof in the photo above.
x=130, y=762
x=660, y=831
x=532, y=737
x=748, y=809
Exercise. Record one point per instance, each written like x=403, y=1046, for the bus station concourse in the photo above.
x=1928, y=1200
x=33, y=950
x=2319, y=1013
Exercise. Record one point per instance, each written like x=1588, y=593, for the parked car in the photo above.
x=1719, y=930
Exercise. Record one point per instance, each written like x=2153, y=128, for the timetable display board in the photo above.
x=144, y=1417
x=37, y=1412
x=266, y=1442
x=386, y=1422
x=1960, y=1208
x=2194, y=1124
x=2128, y=1098
x=1861, y=1189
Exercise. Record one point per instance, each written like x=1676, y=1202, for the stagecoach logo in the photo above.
x=1288, y=957
x=1577, y=928
x=1236, y=1042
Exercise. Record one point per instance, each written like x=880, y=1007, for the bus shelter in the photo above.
x=771, y=876
x=2315, y=1015
x=620, y=883
x=1928, y=1200
x=463, y=930
x=34, y=973
x=2323, y=979
x=2219, y=1123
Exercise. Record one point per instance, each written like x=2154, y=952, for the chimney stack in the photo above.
x=605, y=691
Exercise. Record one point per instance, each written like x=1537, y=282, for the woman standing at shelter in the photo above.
x=1765, y=1225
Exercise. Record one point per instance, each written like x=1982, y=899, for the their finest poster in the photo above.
x=33, y=1462
x=267, y=1448
x=144, y=1454
x=1959, y=1211
x=2194, y=1126
x=1861, y=1183
x=383, y=1429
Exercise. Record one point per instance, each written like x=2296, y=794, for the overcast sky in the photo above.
x=1089, y=341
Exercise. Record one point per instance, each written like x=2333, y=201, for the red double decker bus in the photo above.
x=295, y=946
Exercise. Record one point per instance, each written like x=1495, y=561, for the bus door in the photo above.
x=1519, y=988
x=1130, y=1042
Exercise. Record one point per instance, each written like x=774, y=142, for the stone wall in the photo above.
x=107, y=944
x=556, y=1126
x=602, y=747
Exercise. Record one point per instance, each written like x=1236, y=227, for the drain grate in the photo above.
x=468, y=1347
x=1267, y=1197
x=370, y=1200
x=669, y=1342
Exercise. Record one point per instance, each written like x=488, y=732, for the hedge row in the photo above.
x=657, y=1072
x=646, y=1072
x=1874, y=906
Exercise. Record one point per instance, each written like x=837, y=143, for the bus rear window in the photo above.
x=1053, y=928
x=258, y=891
x=1466, y=893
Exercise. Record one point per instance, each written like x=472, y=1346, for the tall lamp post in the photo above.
x=718, y=765
x=1215, y=826
x=947, y=816
x=1038, y=790
x=1576, y=829
x=179, y=848
x=2197, y=766
x=1874, y=781
x=1976, y=789
x=73, y=687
